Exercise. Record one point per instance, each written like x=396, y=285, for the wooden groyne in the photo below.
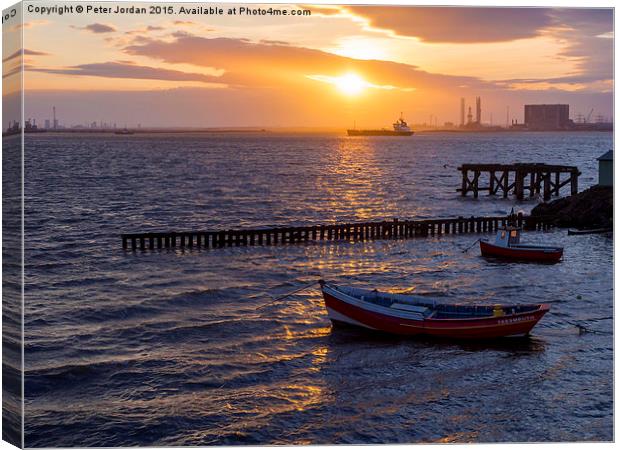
x=518, y=178
x=350, y=231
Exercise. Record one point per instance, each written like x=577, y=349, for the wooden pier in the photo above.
x=348, y=232
x=518, y=178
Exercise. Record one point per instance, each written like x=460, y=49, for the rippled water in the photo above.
x=169, y=347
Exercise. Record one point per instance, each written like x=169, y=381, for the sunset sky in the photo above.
x=342, y=63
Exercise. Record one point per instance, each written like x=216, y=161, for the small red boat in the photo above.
x=415, y=315
x=507, y=245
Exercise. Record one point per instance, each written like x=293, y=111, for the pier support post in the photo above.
x=475, y=183
x=519, y=184
x=547, y=186
x=573, y=182
x=464, y=182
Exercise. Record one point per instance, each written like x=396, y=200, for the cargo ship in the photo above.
x=400, y=129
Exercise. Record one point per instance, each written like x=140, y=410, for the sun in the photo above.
x=350, y=84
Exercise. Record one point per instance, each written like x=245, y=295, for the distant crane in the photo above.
x=589, y=115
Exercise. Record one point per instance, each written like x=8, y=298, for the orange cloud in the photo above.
x=248, y=63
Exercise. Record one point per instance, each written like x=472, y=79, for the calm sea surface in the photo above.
x=168, y=347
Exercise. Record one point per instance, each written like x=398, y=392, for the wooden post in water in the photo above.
x=519, y=184
x=464, y=182
x=475, y=183
x=574, y=182
x=547, y=186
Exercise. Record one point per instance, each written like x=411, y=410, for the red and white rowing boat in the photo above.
x=507, y=245
x=416, y=315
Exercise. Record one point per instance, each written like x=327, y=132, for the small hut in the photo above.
x=606, y=169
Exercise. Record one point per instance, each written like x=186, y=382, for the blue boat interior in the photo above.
x=432, y=308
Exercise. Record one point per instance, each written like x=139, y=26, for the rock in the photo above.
x=592, y=208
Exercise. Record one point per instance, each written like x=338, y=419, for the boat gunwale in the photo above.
x=525, y=247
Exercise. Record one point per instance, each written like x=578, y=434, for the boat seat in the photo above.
x=411, y=308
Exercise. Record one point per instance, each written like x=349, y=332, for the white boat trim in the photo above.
x=335, y=315
x=368, y=306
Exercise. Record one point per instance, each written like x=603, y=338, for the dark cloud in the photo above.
x=98, y=28
x=457, y=24
x=270, y=42
x=583, y=30
x=12, y=71
x=27, y=52
x=585, y=21
x=145, y=30
x=181, y=33
x=125, y=70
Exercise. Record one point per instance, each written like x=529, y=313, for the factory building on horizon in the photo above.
x=547, y=117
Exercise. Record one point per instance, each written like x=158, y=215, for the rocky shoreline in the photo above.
x=592, y=208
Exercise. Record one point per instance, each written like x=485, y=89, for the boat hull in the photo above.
x=589, y=231
x=378, y=133
x=342, y=311
x=536, y=254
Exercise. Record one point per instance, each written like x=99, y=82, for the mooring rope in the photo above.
x=467, y=249
x=583, y=329
x=282, y=297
